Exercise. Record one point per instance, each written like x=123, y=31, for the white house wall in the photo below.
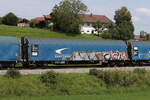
x=87, y=29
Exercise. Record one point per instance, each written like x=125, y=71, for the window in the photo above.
x=93, y=31
x=135, y=51
x=34, y=50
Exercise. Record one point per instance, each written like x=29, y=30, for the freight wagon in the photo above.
x=10, y=51
x=140, y=51
x=44, y=51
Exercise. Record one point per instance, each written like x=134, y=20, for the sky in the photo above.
x=139, y=9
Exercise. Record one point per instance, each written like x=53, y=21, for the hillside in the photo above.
x=30, y=32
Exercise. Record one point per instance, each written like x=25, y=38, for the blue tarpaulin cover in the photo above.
x=51, y=49
x=9, y=49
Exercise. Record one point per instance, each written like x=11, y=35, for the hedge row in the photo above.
x=122, y=78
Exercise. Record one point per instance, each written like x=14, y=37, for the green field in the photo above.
x=72, y=86
x=30, y=85
x=126, y=96
x=76, y=86
x=33, y=32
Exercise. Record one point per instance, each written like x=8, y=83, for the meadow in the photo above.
x=73, y=86
x=42, y=33
x=125, y=96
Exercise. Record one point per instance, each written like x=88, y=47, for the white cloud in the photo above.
x=144, y=10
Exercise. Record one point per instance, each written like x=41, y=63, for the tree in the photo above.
x=10, y=19
x=37, y=24
x=66, y=15
x=100, y=27
x=111, y=31
x=147, y=37
x=33, y=23
x=23, y=20
x=124, y=25
x=1, y=20
x=143, y=34
x=41, y=24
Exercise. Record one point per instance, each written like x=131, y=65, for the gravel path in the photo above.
x=72, y=70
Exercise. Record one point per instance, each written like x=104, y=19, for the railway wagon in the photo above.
x=10, y=51
x=44, y=51
x=140, y=51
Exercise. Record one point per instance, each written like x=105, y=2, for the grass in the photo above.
x=125, y=96
x=30, y=85
x=25, y=86
x=70, y=86
x=43, y=33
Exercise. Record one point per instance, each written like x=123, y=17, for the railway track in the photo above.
x=73, y=69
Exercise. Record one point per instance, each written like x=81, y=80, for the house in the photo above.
x=23, y=23
x=40, y=19
x=138, y=38
x=44, y=22
x=46, y=18
x=88, y=20
x=86, y=27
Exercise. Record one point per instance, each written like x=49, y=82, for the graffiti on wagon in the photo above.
x=99, y=56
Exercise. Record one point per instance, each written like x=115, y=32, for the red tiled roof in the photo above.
x=40, y=19
x=85, y=18
x=47, y=16
x=94, y=18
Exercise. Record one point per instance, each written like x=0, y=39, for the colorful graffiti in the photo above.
x=101, y=56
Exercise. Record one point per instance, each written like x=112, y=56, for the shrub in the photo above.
x=49, y=77
x=93, y=72
x=12, y=73
x=33, y=23
x=139, y=71
x=147, y=79
x=106, y=35
x=129, y=79
x=101, y=74
x=117, y=78
x=41, y=24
